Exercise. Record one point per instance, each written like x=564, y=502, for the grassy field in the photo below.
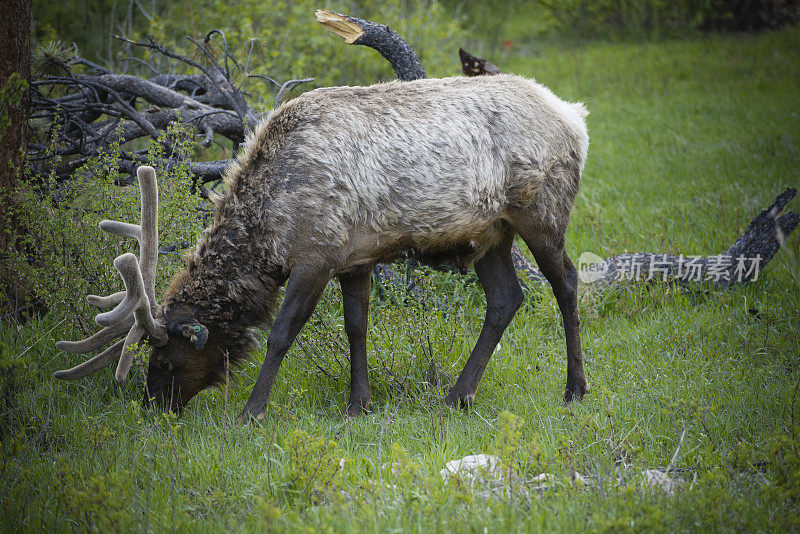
x=690, y=139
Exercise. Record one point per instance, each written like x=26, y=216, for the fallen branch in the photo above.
x=93, y=110
x=386, y=41
x=740, y=263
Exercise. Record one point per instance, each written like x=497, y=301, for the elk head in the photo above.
x=184, y=366
x=174, y=372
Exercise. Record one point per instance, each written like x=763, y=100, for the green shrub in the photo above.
x=523, y=22
x=67, y=256
x=314, y=471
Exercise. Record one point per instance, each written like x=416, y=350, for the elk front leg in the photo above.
x=503, y=298
x=303, y=291
x=355, y=299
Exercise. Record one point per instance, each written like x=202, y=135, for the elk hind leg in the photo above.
x=547, y=247
x=355, y=301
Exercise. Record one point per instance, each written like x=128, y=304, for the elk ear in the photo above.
x=190, y=329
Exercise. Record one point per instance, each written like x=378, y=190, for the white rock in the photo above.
x=472, y=467
x=659, y=480
x=541, y=482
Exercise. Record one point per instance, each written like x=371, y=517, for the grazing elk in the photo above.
x=333, y=182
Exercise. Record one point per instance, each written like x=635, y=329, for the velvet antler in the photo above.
x=134, y=313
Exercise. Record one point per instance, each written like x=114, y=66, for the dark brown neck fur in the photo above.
x=233, y=277
x=227, y=286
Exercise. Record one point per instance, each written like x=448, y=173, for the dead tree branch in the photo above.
x=76, y=115
x=386, y=41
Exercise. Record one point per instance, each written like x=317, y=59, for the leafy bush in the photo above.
x=315, y=468
x=744, y=15
x=68, y=256
x=524, y=21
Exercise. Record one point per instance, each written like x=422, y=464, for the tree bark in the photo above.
x=15, y=59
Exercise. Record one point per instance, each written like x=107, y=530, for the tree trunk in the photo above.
x=15, y=58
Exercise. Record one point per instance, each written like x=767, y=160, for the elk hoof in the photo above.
x=457, y=400
x=575, y=392
x=248, y=418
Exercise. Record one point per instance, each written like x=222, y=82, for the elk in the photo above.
x=329, y=184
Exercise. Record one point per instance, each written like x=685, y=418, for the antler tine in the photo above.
x=97, y=340
x=106, y=302
x=132, y=296
x=146, y=233
x=126, y=357
x=101, y=361
x=137, y=304
x=148, y=244
x=133, y=309
x=136, y=300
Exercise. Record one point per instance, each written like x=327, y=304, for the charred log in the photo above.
x=74, y=116
x=383, y=39
x=740, y=263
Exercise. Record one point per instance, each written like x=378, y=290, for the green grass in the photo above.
x=690, y=139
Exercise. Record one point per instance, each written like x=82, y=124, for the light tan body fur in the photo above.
x=428, y=165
